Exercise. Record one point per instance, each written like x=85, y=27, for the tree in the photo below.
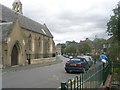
x=113, y=26
x=113, y=51
x=84, y=48
x=63, y=46
x=98, y=43
x=71, y=48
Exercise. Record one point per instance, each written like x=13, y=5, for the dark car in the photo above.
x=76, y=65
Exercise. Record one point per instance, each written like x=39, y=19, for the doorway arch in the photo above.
x=15, y=55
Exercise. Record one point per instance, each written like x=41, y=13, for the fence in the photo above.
x=93, y=79
x=115, y=85
x=107, y=70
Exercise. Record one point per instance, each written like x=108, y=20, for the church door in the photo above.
x=14, y=56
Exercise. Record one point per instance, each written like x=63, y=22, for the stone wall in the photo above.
x=43, y=60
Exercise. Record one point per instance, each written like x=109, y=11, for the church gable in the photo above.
x=15, y=33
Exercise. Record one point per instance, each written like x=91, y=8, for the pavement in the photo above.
x=30, y=66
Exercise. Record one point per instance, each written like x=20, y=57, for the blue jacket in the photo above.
x=103, y=56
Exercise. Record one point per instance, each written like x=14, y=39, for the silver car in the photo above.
x=89, y=59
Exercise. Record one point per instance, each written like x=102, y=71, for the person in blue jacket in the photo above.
x=103, y=58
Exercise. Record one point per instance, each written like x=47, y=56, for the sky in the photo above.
x=70, y=20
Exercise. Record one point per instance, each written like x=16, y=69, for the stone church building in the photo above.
x=23, y=39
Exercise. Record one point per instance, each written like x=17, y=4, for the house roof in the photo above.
x=110, y=40
x=9, y=15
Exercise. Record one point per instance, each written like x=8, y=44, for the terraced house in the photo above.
x=23, y=38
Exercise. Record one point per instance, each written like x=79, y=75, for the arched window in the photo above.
x=30, y=42
x=39, y=42
x=48, y=44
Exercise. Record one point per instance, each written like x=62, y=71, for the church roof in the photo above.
x=9, y=15
x=6, y=28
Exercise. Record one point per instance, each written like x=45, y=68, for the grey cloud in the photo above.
x=66, y=23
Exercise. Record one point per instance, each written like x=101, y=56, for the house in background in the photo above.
x=108, y=43
x=23, y=38
x=58, y=49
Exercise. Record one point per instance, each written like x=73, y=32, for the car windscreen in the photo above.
x=77, y=59
x=87, y=59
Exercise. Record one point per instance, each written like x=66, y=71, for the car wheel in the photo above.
x=68, y=71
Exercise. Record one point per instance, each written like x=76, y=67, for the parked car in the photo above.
x=70, y=57
x=76, y=65
x=89, y=59
x=65, y=55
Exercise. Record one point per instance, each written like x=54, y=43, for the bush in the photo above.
x=114, y=51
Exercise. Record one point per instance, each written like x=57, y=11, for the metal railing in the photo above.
x=115, y=84
x=94, y=78
x=107, y=69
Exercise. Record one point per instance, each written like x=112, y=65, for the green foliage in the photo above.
x=99, y=40
x=71, y=48
x=84, y=48
x=113, y=26
x=63, y=46
x=98, y=43
x=114, y=50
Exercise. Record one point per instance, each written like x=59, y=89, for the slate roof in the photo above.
x=9, y=15
x=6, y=28
x=110, y=40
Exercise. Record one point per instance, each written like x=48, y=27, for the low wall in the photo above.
x=43, y=60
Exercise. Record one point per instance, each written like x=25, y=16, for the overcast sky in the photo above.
x=70, y=20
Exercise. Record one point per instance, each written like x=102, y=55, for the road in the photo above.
x=40, y=77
